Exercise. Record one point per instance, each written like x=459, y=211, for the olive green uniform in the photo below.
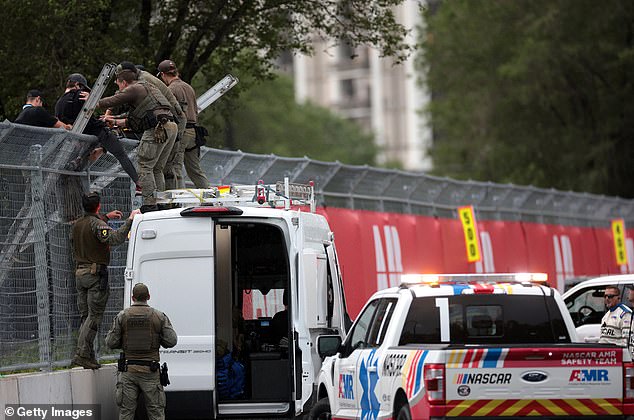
x=92, y=238
x=140, y=331
x=171, y=172
x=157, y=140
x=188, y=152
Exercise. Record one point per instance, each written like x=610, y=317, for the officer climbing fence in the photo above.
x=40, y=197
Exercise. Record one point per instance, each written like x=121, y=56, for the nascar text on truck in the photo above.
x=444, y=346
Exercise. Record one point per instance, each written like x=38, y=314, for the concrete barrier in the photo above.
x=70, y=386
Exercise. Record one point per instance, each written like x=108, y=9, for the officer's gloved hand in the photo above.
x=115, y=214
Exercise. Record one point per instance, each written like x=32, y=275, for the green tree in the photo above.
x=42, y=41
x=266, y=119
x=533, y=92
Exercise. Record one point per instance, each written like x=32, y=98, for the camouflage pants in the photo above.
x=191, y=159
x=91, y=301
x=130, y=385
x=152, y=157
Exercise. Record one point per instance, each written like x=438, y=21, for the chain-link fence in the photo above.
x=40, y=198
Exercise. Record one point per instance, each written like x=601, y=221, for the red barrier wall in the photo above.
x=375, y=248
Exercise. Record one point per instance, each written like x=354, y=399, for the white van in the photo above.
x=586, y=304
x=220, y=272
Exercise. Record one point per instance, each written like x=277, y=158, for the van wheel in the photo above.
x=320, y=411
x=403, y=413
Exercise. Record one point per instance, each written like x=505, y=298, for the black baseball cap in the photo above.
x=78, y=78
x=125, y=66
x=34, y=93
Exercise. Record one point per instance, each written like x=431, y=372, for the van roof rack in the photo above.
x=281, y=194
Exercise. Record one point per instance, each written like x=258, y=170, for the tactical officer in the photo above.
x=172, y=171
x=615, y=325
x=150, y=115
x=189, y=150
x=92, y=238
x=140, y=331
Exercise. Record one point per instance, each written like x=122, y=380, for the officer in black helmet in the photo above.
x=69, y=106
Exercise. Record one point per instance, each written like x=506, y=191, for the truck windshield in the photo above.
x=478, y=319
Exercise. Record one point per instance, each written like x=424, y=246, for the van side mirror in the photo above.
x=328, y=345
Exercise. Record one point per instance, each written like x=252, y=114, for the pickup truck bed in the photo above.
x=570, y=380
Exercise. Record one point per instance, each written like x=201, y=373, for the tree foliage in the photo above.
x=42, y=41
x=533, y=92
x=267, y=119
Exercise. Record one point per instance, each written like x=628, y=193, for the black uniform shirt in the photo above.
x=69, y=106
x=36, y=116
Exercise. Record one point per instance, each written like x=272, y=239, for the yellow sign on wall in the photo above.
x=470, y=229
x=618, y=233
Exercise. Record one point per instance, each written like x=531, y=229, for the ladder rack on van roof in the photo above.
x=281, y=194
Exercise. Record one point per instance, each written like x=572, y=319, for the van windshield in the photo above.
x=478, y=319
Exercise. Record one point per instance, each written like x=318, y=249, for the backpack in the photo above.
x=230, y=377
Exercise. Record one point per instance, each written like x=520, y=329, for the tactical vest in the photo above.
x=88, y=249
x=141, y=333
x=143, y=117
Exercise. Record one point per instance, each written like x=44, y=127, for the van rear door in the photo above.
x=174, y=257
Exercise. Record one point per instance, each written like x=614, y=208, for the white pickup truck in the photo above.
x=470, y=345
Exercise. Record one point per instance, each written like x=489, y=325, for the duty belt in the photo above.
x=153, y=365
x=89, y=264
x=190, y=125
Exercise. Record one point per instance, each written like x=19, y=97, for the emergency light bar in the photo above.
x=438, y=279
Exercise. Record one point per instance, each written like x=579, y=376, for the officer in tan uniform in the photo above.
x=92, y=238
x=188, y=151
x=171, y=172
x=140, y=331
x=150, y=114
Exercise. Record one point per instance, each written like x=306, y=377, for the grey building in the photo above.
x=381, y=97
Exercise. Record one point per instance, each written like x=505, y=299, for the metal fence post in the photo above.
x=41, y=259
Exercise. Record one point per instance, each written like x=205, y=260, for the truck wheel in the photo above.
x=320, y=411
x=403, y=413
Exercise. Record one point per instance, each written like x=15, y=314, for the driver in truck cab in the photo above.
x=615, y=325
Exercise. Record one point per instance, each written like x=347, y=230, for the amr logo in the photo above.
x=387, y=252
